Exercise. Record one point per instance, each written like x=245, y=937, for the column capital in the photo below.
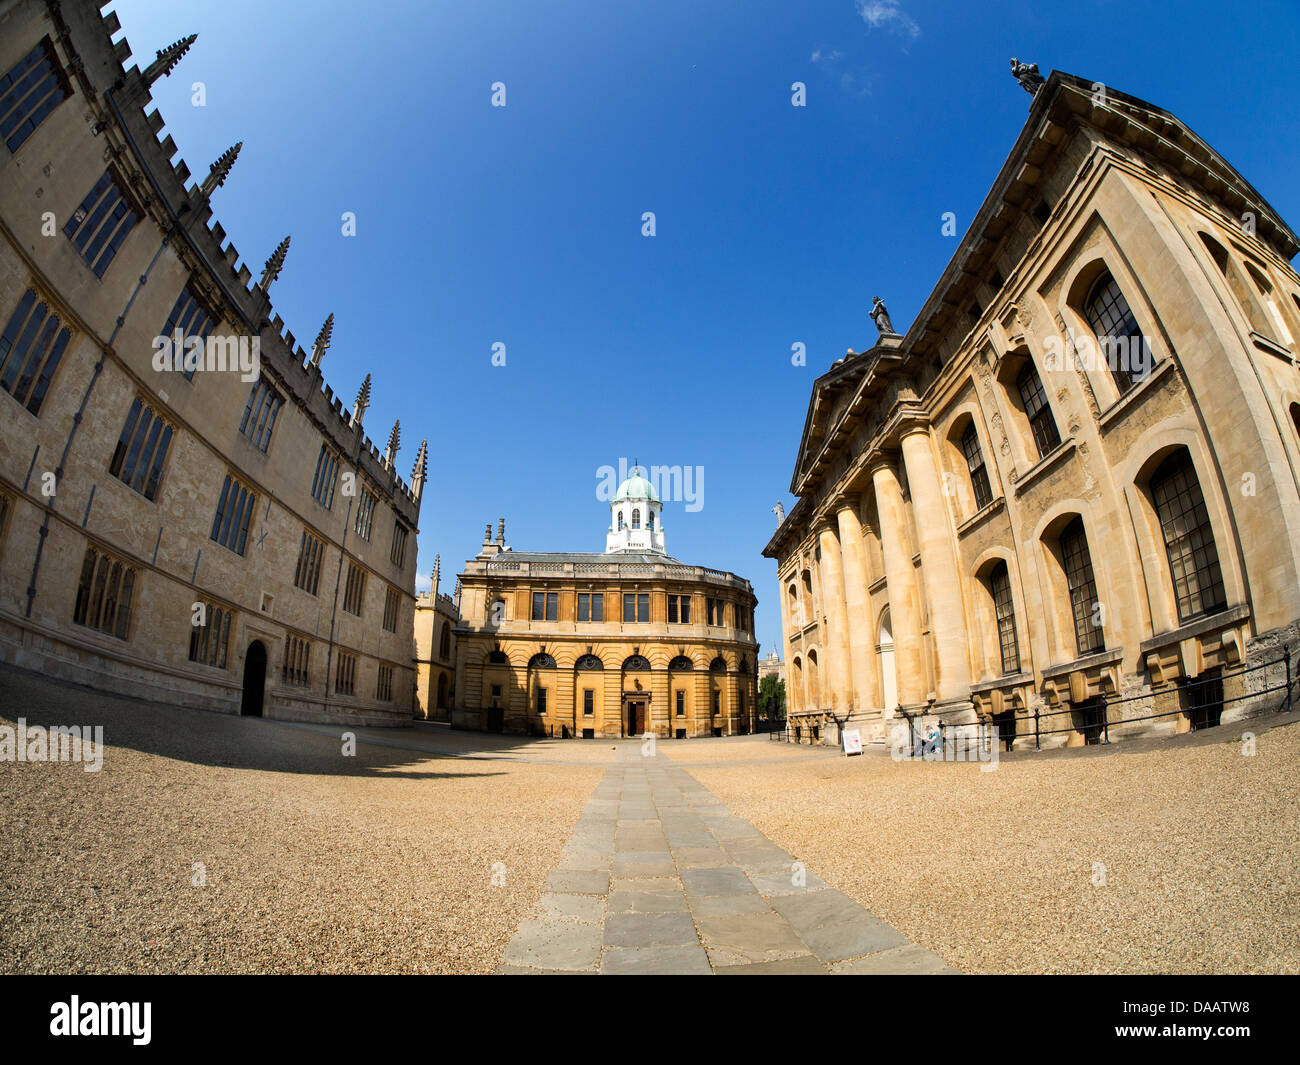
x=883, y=460
x=912, y=428
x=823, y=524
x=845, y=502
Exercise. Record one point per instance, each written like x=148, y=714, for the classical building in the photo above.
x=616, y=644
x=1067, y=499
x=770, y=665
x=436, y=618
x=186, y=513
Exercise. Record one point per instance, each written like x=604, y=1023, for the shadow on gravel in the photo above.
x=205, y=737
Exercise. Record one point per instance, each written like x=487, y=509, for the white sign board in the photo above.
x=852, y=739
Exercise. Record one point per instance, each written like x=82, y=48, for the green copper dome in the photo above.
x=636, y=487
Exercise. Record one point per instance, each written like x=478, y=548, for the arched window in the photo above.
x=1265, y=289
x=1189, y=539
x=650, y=519
x=1004, y=610
x=636, y=518
x=1077, y=562
x=1041, y=422
x=589, y=662
x=1122, y=342
x=620, y=521
x=444, y=641
x=681, y=664
x=1236, y=283
x=718, y=665
x=497, y=658
x=541, y=661
x=979, y=477
x=636, y=663
x=1295, y=417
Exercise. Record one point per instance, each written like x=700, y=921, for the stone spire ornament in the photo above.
x=168, y=58
x=420, y=468
x=394, y=444
x=322, y=345
x=1027, y=74
x=880, y=315
x=437, y=574
x=362, y=404
x=220, y=171
x=275, y=264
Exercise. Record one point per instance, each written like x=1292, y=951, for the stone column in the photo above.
x=787, y=631
x=862, y=655
x=839, y=672
x=942, y=581
x=900, y=576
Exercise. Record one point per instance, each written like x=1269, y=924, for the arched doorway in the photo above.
x=636, y=695
x=888, y=678
x=254, y=680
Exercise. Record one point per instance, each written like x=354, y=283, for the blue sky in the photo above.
x=775, y=225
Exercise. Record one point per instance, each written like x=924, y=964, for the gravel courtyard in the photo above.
x=385, y=861
x=382, y=862
x=994, y=871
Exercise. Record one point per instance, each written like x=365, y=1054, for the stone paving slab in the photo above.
x=659, y=878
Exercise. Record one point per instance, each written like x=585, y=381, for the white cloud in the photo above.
x=887, y=14
x=423, y=582
x=832, y=56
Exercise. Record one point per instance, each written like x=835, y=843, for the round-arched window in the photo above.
x=589, y=662
x=681, y=664
x=639, y=663
x=541, y=661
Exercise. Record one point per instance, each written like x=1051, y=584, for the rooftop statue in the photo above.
x=1027, y=74
x=880, y=316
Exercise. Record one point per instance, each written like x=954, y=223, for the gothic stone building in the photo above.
x=1000, y=513
x=616, y=644
x=436, y=618
x=224, y=538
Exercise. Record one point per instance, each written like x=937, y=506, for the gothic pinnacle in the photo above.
x=168, y=58
x=322, y=345
x=394, y=443
x=275, y=264
x=220, y=171
x=363, y=401
x=421, y=462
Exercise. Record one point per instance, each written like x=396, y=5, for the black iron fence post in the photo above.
x=1105, y=719
x=1286, y=657
x=1038, y=746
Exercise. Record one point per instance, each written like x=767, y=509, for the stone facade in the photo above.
x=228, y=538
x=770, y=665
x=1017, y=513
x=436, y=618
x=542, y=666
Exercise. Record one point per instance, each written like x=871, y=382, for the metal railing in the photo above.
x=1093, y=718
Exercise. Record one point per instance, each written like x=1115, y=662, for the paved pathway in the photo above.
x=660, y=877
